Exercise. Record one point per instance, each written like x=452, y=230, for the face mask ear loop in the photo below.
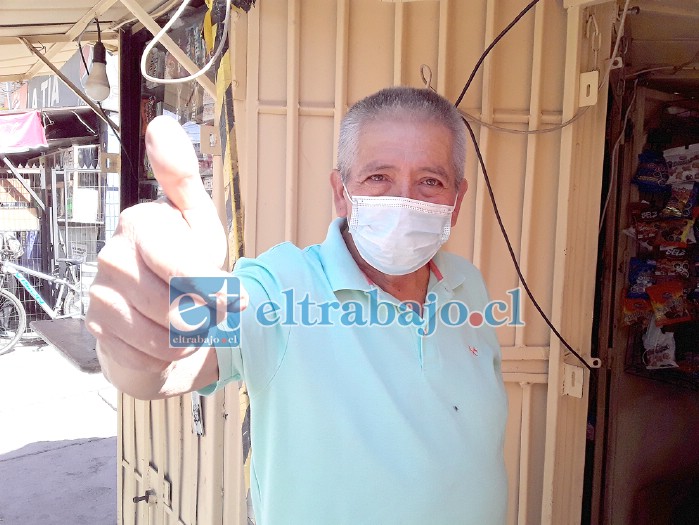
x=347, y=192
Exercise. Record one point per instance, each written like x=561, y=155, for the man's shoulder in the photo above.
x=451, y=265
x=283, y=262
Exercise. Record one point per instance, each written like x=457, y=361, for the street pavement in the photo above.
x=58, y=429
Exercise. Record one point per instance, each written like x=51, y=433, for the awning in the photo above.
x=21, y=132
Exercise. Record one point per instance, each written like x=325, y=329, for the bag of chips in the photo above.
x=675, y=232
x=659, y=348
x=681, y=201
x=682, y=163
x=636, y=311
x=652, y=172
x=669, y=303
x=641, y=276
x=672, y=268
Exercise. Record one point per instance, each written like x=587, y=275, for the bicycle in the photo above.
x=13, y=317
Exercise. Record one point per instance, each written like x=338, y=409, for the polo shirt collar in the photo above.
x=344, y=274
x=339, y=265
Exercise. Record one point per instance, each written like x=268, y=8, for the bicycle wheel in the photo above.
x=13, y=321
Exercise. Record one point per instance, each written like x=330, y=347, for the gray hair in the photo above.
x=396, y=101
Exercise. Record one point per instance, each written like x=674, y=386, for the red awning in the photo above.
x=21, y=132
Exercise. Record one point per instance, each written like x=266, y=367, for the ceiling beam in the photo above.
x=167, y=42
x=60, y=38
x=665, y=9
x=583, y=3
x=73, y=33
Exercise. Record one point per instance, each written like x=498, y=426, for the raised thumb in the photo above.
x=176, y=168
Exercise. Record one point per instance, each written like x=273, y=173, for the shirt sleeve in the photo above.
x=263, y=336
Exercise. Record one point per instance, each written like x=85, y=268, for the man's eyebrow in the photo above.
x=437, y=170
x=380, y=166
x=376, y=166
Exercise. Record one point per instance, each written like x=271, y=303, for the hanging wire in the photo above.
x=615, y=157
x=510, y=249
x=578, y=114
x=159, y=36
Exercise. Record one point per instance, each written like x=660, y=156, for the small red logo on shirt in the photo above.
x=473, y=350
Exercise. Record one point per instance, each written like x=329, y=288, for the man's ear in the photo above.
x=341, y=206
x=463, y=186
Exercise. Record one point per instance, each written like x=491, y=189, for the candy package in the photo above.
x=643, y=211
x=669, y=303
x=675, y=232
x=659, y=348
x=682, y=163
x=672, y=268
x=681, y=201
x=652, y=173
x=636, y=311
x=647, y=233
x=641, y=276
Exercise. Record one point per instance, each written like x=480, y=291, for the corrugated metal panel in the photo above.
x=306, y=62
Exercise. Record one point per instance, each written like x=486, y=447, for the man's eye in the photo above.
x=377, y=177
x=432, y=182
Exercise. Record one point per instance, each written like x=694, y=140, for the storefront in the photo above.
x=606, y=439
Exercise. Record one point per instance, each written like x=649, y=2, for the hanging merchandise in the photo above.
x=659, y=348
x=661, y=299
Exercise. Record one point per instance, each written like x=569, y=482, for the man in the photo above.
x=370, y=403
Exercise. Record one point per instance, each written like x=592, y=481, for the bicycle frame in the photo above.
x=6, y=267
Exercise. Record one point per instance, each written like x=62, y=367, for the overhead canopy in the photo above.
x=54, y=26
x=21, y=132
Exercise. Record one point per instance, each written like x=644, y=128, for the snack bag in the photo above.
x=659, y=348
x=677, y=232
x=643, y=211
x=652, y=172
x=669, y=303
x=672, y=267
x=641, y=276
x=681, y=201
x=682, y=163
x=646, y=234
x=636, y=311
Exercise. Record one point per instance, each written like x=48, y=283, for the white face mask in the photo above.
x=397, y=235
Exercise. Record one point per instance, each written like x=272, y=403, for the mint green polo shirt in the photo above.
x=357, y=423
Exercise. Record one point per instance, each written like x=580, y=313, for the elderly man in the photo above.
x=378, y=408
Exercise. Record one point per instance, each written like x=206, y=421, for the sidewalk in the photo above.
x=57, y=441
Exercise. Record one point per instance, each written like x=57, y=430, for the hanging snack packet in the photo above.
x=681, y=201
x=674, y=233
x=652, y=172
x=636, y=311
x=669, y=303
x=647, y=233
x=643, y=211
x=659, y=348
x=682, y=163
x=641, y=276
x=672, y=269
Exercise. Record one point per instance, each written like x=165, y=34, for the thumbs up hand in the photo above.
x=180, y=235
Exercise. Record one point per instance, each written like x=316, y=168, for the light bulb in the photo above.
x=97, y=85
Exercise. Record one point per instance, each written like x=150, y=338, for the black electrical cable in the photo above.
x=492, y=194
x=511, y=250
x=490, y=48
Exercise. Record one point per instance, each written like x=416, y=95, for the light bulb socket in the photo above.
x=99, y=53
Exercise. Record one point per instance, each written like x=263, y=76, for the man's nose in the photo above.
x=404, y=188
